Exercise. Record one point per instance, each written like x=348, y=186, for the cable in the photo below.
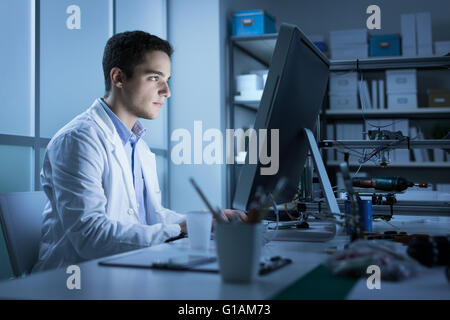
x=354, y=175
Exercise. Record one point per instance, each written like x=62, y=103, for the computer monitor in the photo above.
x=291, y=101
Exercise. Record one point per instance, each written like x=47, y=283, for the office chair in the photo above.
x=21, y=221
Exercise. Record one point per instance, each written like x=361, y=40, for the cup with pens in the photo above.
x=239, y=243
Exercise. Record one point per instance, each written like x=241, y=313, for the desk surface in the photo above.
x=102, y=282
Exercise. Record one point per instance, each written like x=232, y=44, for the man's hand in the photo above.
x=183, y=227
x=230, y=215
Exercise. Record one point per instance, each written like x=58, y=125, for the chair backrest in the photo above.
x=21, y=220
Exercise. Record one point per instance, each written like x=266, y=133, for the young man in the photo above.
x=98, y=173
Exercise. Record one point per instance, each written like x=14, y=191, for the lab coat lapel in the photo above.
x=101, y=117
x=119, y=153
x=148, y=164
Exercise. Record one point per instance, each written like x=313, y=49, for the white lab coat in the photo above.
x=92, y=210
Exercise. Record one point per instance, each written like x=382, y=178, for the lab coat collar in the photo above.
x=125, y=134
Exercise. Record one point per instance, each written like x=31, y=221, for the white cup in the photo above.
x=238, y=248
x=199, y=229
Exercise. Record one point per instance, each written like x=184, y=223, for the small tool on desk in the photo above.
x=216, y=214
x=386, y=183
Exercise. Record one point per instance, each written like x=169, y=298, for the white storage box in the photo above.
x=263, y=74
x=248, y=83
x=343, y=102
x=344, y=38
x=402, y=100
x=341, y=82
x=401, y=81
x=359, y=51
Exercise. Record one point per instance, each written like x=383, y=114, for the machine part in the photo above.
x=397, y=184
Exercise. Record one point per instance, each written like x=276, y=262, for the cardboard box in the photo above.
x=438, y=98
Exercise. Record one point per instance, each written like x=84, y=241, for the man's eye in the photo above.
x=154, y=78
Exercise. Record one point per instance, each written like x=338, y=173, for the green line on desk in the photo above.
x=318, y=284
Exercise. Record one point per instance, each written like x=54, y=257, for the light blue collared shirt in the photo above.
x=129, y=140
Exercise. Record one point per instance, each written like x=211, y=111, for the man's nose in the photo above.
x=165, y=91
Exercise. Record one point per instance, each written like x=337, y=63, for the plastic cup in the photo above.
x=199, y=229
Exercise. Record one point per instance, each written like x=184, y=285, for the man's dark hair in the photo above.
x=126, y=50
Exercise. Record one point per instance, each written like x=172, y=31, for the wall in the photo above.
x=197, y=94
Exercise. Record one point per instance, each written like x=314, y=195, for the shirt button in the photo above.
x=130, y=211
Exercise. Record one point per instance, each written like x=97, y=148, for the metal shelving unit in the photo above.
x=261, y=47
x=432, y=165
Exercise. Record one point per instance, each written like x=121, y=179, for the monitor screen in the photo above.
x=292, y=98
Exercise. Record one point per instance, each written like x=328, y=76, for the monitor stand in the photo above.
x=318, y=231
x=323, y=176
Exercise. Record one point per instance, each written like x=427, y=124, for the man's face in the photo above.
x=145, y=92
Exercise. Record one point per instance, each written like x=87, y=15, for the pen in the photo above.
x=216, y=214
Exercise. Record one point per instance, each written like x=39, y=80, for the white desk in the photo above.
x=101, y=282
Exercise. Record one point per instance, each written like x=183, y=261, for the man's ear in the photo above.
x=117, y=77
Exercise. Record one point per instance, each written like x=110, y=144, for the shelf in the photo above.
x=261, y=47
x=249, y=104
x=422, y=113
x=384, y=63
x=361, y=144
x=432, y=165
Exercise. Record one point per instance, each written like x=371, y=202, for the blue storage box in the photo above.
x=252, y=22
x=384, y=45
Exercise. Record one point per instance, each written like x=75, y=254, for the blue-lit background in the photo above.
x=51, y=73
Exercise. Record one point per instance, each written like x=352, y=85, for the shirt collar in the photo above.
x=125, y=134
